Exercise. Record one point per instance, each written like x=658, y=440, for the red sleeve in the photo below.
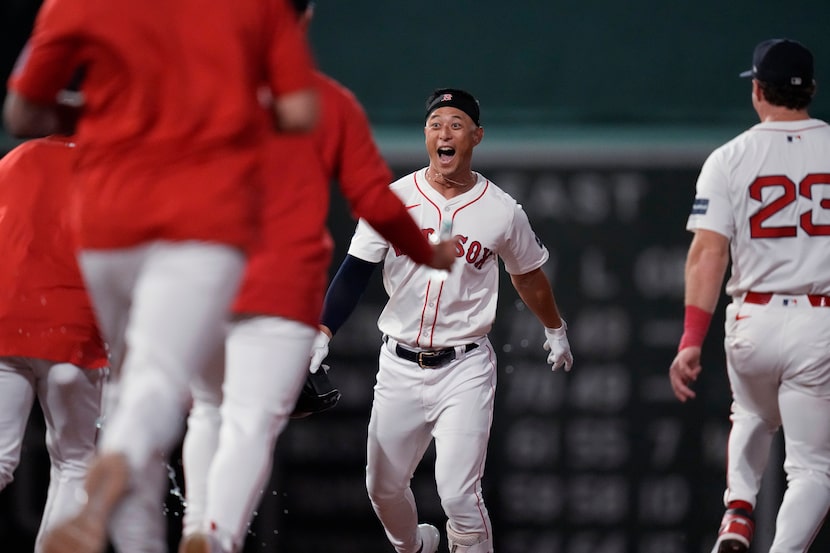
x=395, y=224
x=364, y=179
x=290, y=64
x=50, y=57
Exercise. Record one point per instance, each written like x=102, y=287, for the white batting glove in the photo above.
x=319, y=351
x=559, y=348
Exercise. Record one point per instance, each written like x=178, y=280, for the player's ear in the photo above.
x=478, y=135
x=757, y=94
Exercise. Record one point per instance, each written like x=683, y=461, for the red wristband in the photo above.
x=695, y=326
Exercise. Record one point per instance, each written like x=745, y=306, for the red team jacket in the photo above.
x=44, y=309
x=287, y=273
x=171, y=130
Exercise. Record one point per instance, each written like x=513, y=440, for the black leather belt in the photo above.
x=430, y=359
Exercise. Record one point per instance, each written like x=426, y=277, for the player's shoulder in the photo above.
x=408, y=181
x=496, y=194
x=734, y=147
x=39, y=151
x=333, y=90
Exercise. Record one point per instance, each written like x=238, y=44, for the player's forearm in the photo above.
x=705, y=270
x=535, y=291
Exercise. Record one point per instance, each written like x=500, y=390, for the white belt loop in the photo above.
x=391, y=343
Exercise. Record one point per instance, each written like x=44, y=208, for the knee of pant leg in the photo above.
x=465, y=511
x=381, y=490
x=251, y=421
x=807, y=476
x=468, y=543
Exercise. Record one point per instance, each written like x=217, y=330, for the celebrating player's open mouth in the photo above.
x=445, y=155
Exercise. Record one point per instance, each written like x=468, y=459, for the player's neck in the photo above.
x=451, y=185
x=771, y=114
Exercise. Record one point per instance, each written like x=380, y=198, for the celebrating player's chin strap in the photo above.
x=436, y=373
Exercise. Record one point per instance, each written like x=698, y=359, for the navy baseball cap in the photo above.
x=456, y=98
x=781, y=61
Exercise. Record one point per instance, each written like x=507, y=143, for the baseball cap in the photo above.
x=781, y=61
x=454, y=97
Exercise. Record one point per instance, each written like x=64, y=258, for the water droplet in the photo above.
x=175, y=490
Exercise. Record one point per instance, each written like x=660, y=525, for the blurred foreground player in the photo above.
x=277, y=312
x=170, y=140
x=50, y=347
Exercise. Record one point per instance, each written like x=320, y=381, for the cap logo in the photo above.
x=795, y=81
x=456, y=98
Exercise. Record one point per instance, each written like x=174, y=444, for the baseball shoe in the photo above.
x=430, y=538
x=199, y=543
x=106, y=483
x=735, y=534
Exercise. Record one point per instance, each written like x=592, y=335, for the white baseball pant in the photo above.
x=70, y=398
x=201, y=441
x=412, y=405
x=778, y=362
x=163, y=307
x=138, y=524
x=266, y=363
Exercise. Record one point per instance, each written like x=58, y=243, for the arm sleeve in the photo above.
x=290, y=63
x=712, y=209
x=51, y=55
x=364, y=180
x=345, y=291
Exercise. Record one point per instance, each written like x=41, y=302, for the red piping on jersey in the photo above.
x=441, y=290
x=480, y=499
x=435, y=320
x=423, y=314
x=814, y=127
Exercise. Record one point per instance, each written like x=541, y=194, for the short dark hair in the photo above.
x=300, y=6
x=790, y=97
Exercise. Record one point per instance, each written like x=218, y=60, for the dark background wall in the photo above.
x=539, y=62
x=598, y=115
x=594, y=62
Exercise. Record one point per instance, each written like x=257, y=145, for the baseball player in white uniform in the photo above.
x=51, y=349
x=437, y=369
x=764, y=199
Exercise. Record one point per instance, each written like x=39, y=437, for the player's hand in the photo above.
x=443, y=255
x=559, y=348
x=684, y=371
x=319, y=349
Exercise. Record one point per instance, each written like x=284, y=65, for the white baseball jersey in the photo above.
x=488, y=224
x=768, y=191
